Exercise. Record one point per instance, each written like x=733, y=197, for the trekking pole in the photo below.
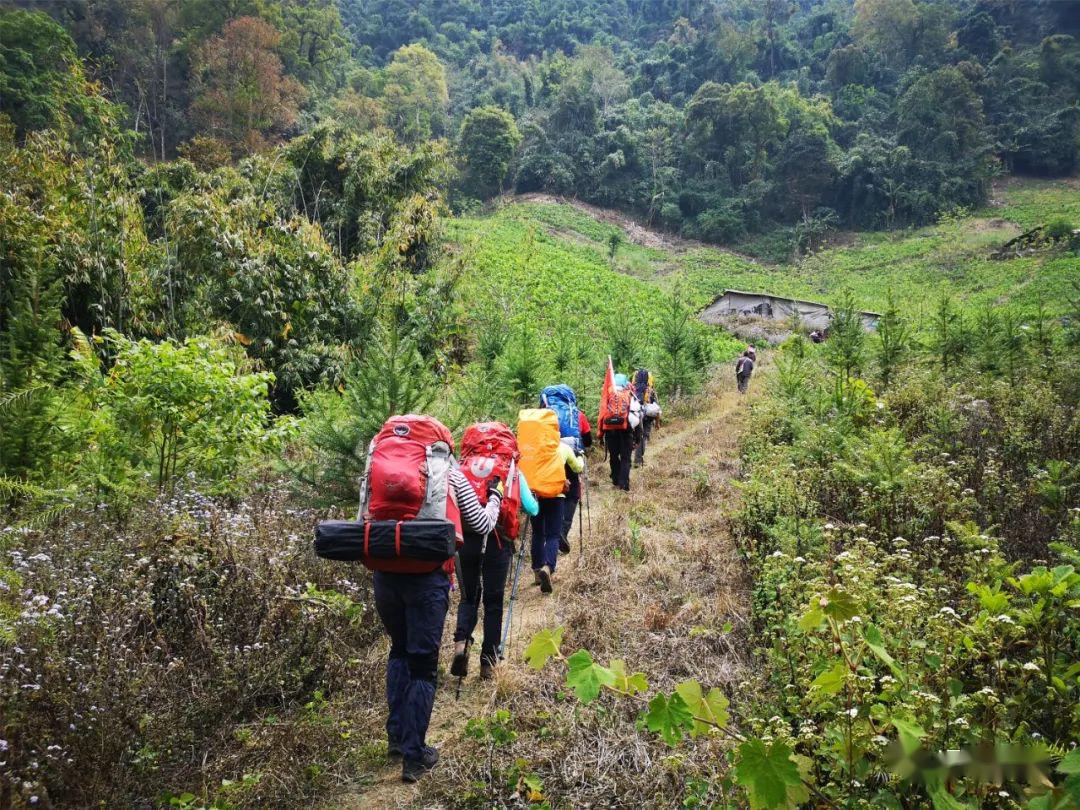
x=513, y=594
x=588, y=508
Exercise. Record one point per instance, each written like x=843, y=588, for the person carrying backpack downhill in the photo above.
x=650, y=412
x=544, y=460
x=488, y=450
x=744, y=367
x=573, y=495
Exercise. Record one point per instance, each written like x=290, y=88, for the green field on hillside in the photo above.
x=536, y=279
x=917, y=265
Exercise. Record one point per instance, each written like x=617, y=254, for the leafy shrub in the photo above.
x=184, y=409
x=887, y=622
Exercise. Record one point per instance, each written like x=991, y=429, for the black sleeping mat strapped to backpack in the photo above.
x=347, y=540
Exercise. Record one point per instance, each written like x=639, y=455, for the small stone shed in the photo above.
x=812, y=315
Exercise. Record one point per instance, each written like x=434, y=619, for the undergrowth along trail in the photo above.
x=659, y=585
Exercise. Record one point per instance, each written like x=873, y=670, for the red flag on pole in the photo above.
x=609, y=386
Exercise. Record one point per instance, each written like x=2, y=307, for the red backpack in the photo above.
x=408, y=520
x=618, y=409
x=490, y=449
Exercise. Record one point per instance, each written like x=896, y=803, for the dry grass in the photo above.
x=658, y=581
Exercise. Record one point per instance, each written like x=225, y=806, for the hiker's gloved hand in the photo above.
x=495, y=488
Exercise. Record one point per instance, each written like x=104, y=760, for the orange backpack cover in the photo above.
x=538, y=442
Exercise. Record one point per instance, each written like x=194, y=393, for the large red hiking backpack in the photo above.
x=408, y=520
x=618, y=409
x=489, y=449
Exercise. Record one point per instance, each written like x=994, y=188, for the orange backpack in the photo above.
x=618, y=409
x=538, y=442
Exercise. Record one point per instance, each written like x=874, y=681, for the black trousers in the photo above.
x=412, y=608
x=483, y=582
x=619, y=446
x=646, y=432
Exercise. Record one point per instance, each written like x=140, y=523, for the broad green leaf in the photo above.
x=669, y=717
x=832, y=680
x=911, y=733
x=626, y=683
x=840, y=605
x=543, y=646
x=876, y=644
x=811, y=620
x=766, y=772
x=1070, y=763
x=943, y=800
x=710, y=708
x=586, y=677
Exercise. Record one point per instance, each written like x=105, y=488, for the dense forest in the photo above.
x=237, y=235
x=719, y=120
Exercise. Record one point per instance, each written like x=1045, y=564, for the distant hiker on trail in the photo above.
x=489, y=453
x=619, y=415
x=751, y=352
x=650, y=407
x=744, y=367
x=573, y=495
x=544, y=460
x=414, y=505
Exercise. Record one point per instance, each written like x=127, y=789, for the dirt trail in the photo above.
x=713, y=430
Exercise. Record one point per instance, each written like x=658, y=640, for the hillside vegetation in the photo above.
x=918, y=265
x=236, y=237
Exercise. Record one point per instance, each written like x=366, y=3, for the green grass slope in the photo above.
x=569, y=274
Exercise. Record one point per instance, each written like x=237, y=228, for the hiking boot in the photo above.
x=459, y=668
x=393, y=749
x=487, y=670
x=544, y=575
x=564, y=545
x=413, y=771
x=536, y=577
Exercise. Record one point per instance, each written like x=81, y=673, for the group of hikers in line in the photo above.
x=425, y=515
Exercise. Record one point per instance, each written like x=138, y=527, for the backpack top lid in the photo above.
x=418, y=428
x=488, y=438
x=561, y=399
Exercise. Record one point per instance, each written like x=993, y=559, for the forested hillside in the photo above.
x=717, y=119
x=236, y=236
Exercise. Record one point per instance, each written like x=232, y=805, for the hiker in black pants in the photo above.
x=620, y=446
x=573, y=495
x=413, y=608
x=650, y=412
x=483, y=582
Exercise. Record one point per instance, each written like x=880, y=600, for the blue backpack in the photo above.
x=561, y=399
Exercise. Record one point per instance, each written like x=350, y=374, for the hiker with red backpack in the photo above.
x=489, y=451
x=617, y=423
x=545, y=459
x=414, y=505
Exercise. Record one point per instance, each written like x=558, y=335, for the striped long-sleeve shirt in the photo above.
x=474, y=516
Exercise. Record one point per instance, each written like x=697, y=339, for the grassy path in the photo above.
x=657, y=578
